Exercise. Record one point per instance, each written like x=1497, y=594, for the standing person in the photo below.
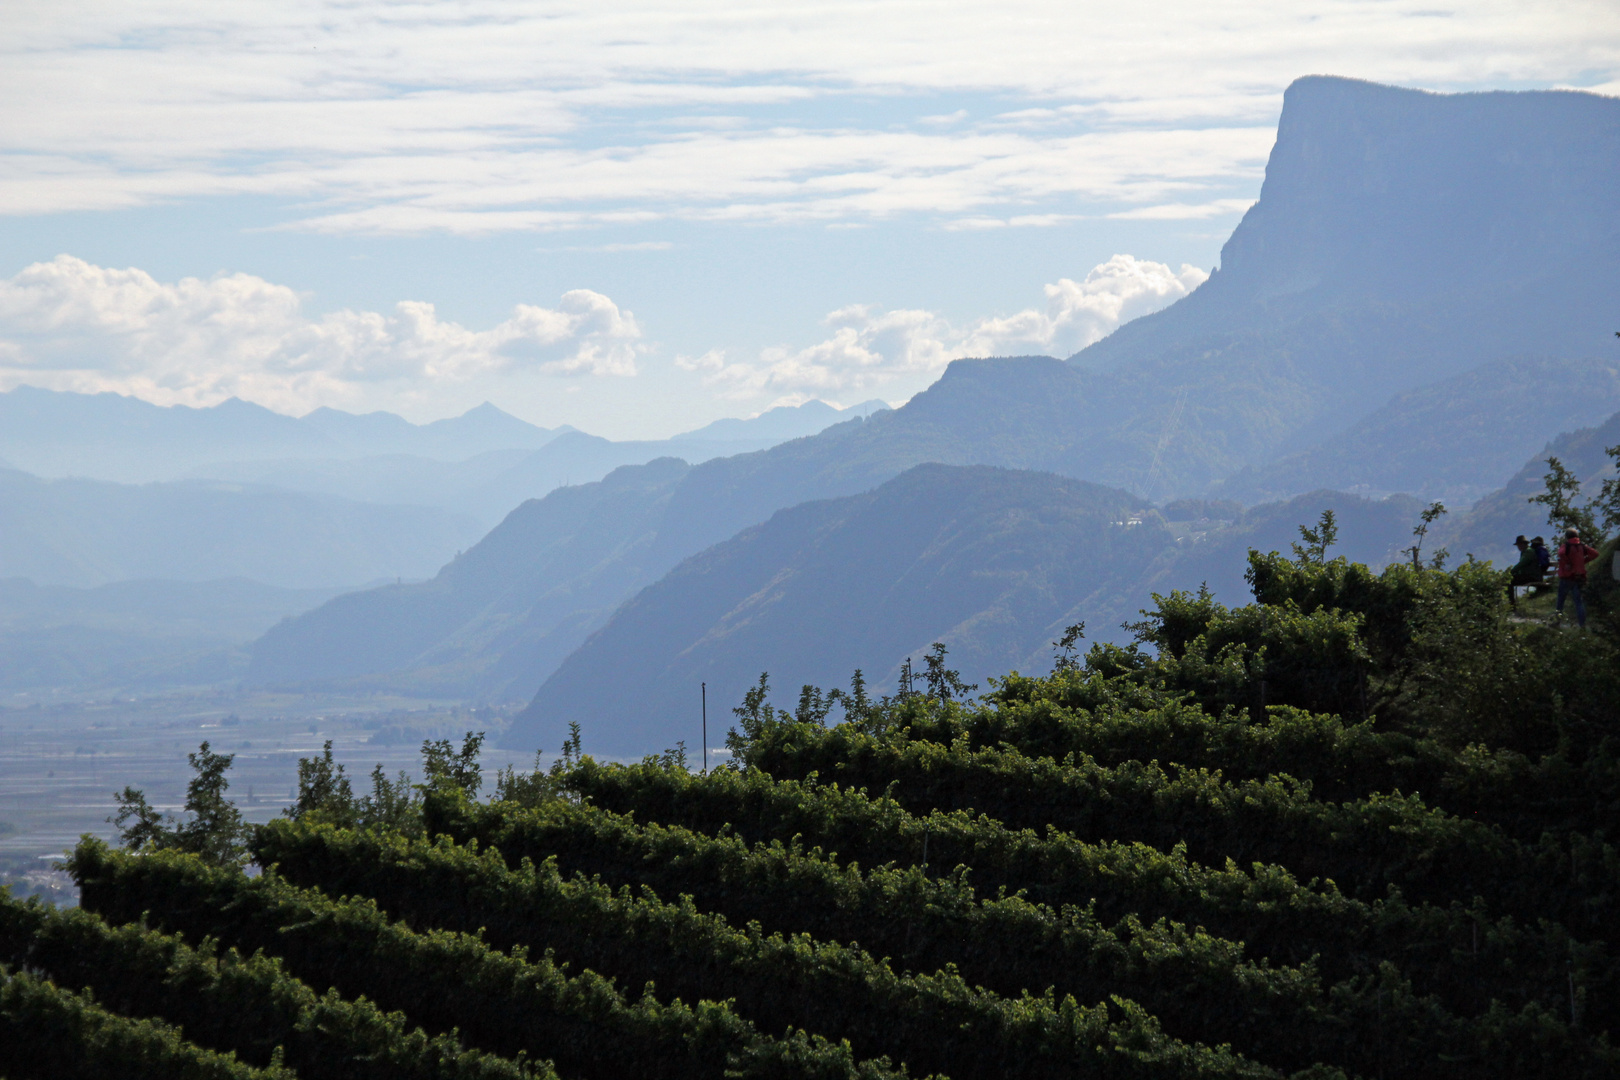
x=1573, y=555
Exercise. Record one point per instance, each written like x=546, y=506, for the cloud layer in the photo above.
x=490, y=115
x=69, y=325
x=869, y=348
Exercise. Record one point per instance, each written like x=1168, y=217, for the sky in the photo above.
x=639, y=217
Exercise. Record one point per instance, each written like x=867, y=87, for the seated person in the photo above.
x=1529, y=570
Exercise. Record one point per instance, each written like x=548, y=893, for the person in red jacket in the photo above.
x=1573, y=555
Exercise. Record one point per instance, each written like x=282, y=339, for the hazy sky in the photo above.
x=637, y=217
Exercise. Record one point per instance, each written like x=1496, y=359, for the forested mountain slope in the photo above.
x=1452, y=440
x=994, y=563
x=991, y=560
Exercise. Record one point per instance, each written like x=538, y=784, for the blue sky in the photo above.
x=638, y=217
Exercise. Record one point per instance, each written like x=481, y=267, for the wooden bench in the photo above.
x=1548, y=580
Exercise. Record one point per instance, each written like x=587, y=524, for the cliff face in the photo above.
x=1375, y=192
x=1401, y=238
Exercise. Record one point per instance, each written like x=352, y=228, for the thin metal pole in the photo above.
x=705, y=690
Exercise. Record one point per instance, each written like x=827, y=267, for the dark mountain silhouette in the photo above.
x=992, y=562
x=988, y=560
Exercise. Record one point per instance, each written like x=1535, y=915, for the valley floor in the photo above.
x=61, y=761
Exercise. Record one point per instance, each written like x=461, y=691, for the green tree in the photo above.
x=907, y=681
x=1317, y=540
x=752, y=716
x=943, y=683
x=323, y=788
x=449, y=768
x=1561, y=490
x=857, y=704
x=392, y=804
x=1067, y=654
x=1427, y=518
x=814, y=705
x=214, y=829
x=1608, y=501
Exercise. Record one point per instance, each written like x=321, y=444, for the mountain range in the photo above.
x=677, y=510
x=278, y=535
x=113, y=437
x=480, y=464
x=1416, y=303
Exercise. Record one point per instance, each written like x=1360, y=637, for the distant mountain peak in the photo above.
x=123, y=438
x=781, y=422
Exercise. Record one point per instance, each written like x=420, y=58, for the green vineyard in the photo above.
x=1360, y=828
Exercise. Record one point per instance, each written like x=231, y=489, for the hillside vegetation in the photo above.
x=1359, y=827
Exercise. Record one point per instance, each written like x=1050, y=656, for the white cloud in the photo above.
x=868, y=347
x=68, y=324
x=1185, y=211
x=486, y=115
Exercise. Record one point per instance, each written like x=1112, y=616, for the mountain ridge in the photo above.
x=115, y=437
x=994, y=563
x=1284, y=348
